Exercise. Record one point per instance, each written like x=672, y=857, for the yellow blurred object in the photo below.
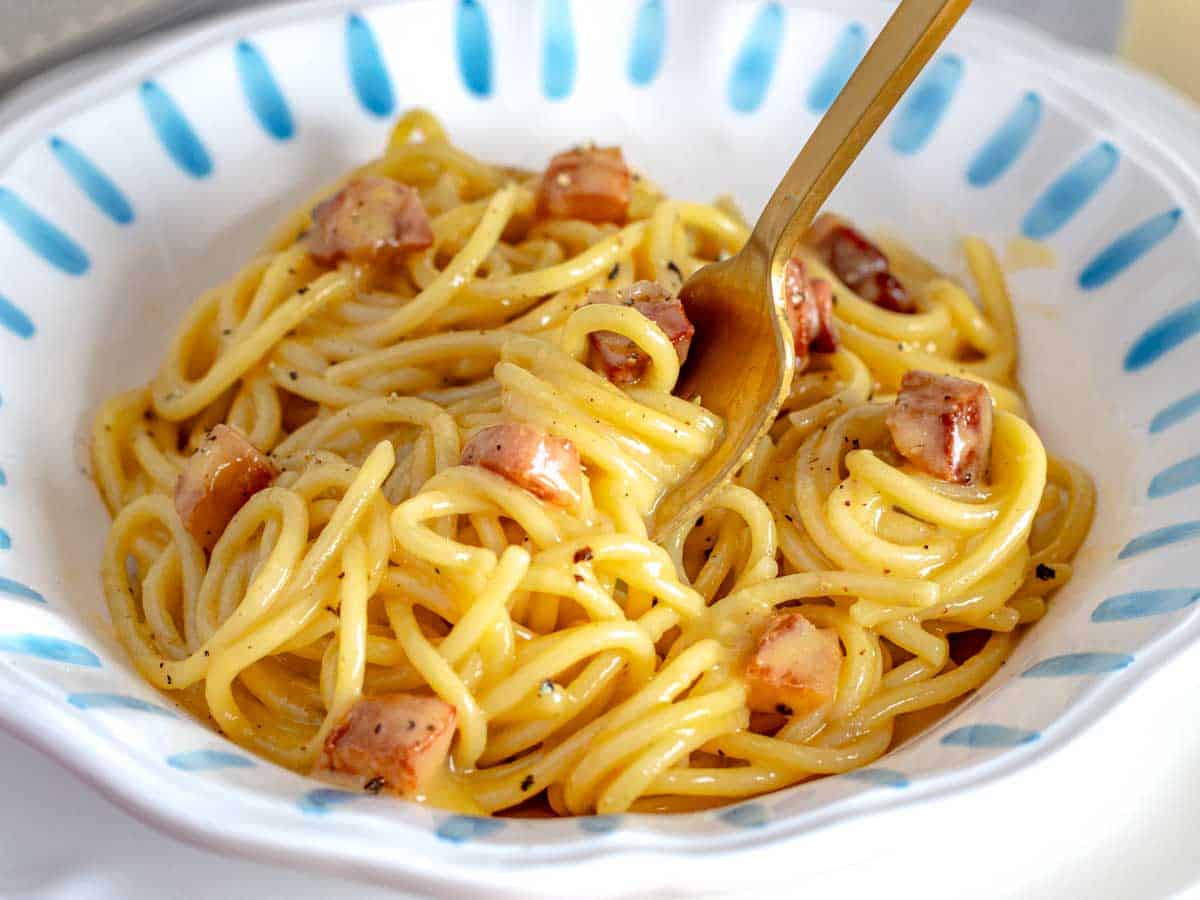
x=1161, y=37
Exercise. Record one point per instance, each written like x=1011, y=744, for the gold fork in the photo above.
x=741, y=360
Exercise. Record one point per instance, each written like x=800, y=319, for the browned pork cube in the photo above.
x=943, y=426
x=371, y=219
x=618, y=358
x=395, y=741
x=216, y=481
x=591, y=183
x=546, y=466
x=795, y=667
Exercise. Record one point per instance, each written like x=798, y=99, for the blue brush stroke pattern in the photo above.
x=1078, y=664
x=599, y=824
x=460, y=829
x=1179, y=477
x=754, y=65
x=322, y=800
x=1160, y=537
x=1176, y=413
x=1070, y=192
x=50, y=648
x=748, y=815
x=263, y=93
x=368, y=73
x=16, y=589
x=3, y=478
x=41, y=236
x=1128, y=249
x=558, y=50
x=847, y=53
x=117, y=701
x=174, y=131
x=649, y=42
x=99, y=188
x=923, y=108
x=1141, y=604
x=989, y=736
x=205, y=760
x=473, y=44
x=1008, y=143
x=883, y=777
x=5, y=540
x=1163, y=337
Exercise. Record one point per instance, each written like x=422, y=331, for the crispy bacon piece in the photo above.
x=370, y=219
x=943, y=426
x=860, y=265
x=591, y=183
x=618, y=358
x=397, y=741
x=809, y=311
x=795, y=667
x=216, y=481
x=546, y=466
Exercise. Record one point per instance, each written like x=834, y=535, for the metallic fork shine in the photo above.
x=741, y=361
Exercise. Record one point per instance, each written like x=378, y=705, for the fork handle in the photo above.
x=910, y=38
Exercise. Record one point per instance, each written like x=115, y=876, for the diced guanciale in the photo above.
x=809, y=311
x=795, y=667
x=546, y=466
x=216, y=481
x=395, y=741
x=860, y=265
x=618, y=358
x=943, y=426
x=590, y=183
x=372, y=219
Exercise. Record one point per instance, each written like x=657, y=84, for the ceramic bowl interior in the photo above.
x=122, y=198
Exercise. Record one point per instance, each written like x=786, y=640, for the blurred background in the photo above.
x=1159, y=36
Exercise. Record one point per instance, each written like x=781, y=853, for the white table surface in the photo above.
x=1116, y=814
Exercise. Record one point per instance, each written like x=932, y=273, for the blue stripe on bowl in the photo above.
x=649, y=42
x=1176, y=413
x=754, y=65
x=99, y=188
x=174, y=131
x=598, y=824
x=922, y=110
x=1140, y=604
x=5, y=540
x=847, y=53
x=263, y=94
x=1164, y=336
x=368, y=73
x=1008, y=143
x=53, y=649
x=746, y=815
x=1078, y=664
x=322, y=800
x=460, y=829
x=3, y=478
x=14, y=319
x=205, y=760
x=989, y=736
x=1178, y=477
x=16, y=589
x=1070, y=192
x=41, y=236
x=1160, y=537
x=473, y=46
x=117, y=701
x=558, y=49
x=1128, y=249
x=883, y=777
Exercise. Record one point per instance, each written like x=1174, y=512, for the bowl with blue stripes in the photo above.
x=129, y=185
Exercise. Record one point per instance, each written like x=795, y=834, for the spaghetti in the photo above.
x=582, y=663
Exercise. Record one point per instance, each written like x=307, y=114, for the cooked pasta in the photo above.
x=578, y=661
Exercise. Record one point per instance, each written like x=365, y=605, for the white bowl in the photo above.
x=122, y=197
